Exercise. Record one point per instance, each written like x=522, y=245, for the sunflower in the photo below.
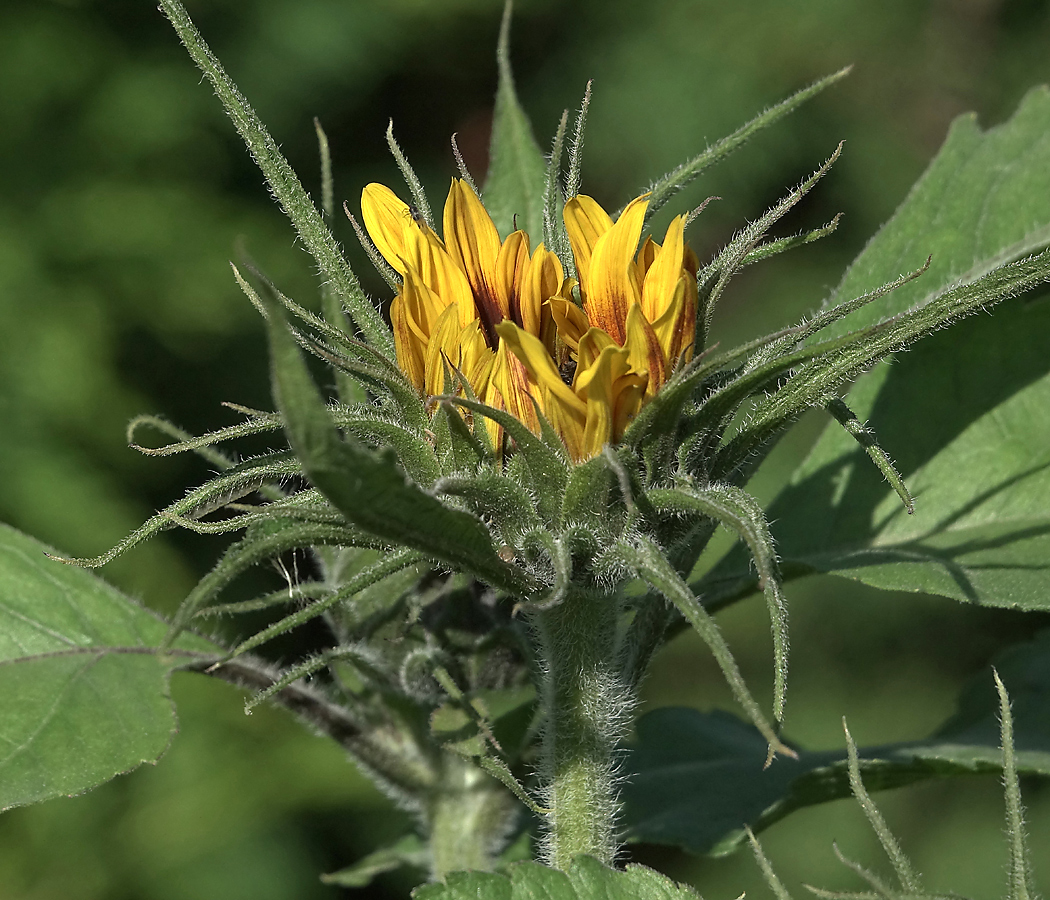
x=506, y=318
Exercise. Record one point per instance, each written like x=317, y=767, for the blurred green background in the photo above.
x=124, y=192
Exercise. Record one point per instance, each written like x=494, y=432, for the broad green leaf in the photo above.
x=587, y=879
x=965, y=414
x=410, y=851
x=83, y=689
x=697, y=778
x=517, y=173
x=368, y=487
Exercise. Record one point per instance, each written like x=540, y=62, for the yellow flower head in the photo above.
x=506, y=318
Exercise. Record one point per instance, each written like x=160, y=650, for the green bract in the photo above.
x=493, y=613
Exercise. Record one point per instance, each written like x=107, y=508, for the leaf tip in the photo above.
x=503, y=44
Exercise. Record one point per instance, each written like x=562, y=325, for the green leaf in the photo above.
x=369, y=488
x=965, y=414
x=517, y=172
x=410, y=851
x=698, y=780
x=586, y=879
x=495, y=498
x=83, y=689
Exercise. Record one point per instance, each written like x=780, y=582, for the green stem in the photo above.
x=470, y=816
x=588, y=703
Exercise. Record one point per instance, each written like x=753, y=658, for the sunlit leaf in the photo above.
x=965, y=414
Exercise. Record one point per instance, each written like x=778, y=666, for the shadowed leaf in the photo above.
x=697, y=778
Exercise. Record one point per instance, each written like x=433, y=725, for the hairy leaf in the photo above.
x=83, y=688
x=965, y=415
x=369, y=488
x=666, y=187
x=517, y=172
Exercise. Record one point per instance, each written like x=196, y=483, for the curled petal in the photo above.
x=442, y=349
x=645, y=352
x=662, y=275
x=537, y=360
x=681, y=349
x=591, y=345
x=570, y=320
x=646, y=257
x=669, y=296
x=409, y=340
x=566, y=412
x=426, y=256
x=476, y=359
x=543, y=280
x=512, y=387
x=614, y=395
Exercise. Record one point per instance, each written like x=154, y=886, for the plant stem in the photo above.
x=469, y=816
x=587, y=704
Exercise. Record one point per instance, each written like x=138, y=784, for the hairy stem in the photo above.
x=469, y=817
x=587, y=703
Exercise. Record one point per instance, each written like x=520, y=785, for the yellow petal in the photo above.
x=408, y=345
x=613, y=393
x=443, y=347
x=564, y=410
x=630, y=395
x=585, y=222
x=385, y=216
x=473, y=243
x=646, y=257
x=530, y=350
x=681, y=349
x=569, y=422
x=593, y=342
x=512, y=387
x=543, y=280
x=426, y=256
x=661, y=281
x=512, y=264
x=613, y=278
x=644, y=351
x=476, y=358
x=571, y=321
x=423, y=303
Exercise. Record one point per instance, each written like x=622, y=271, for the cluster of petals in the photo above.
x=505, y=317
